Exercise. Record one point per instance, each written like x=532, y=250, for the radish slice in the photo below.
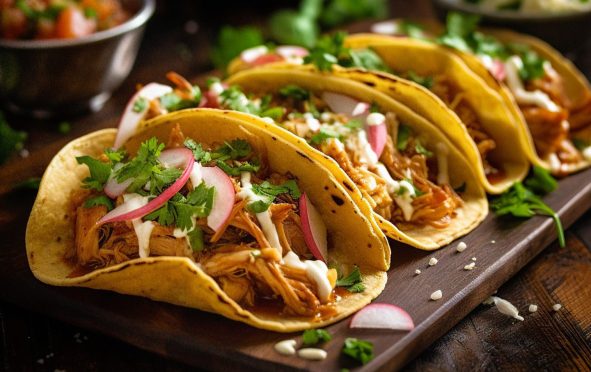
x=314, y=229
x=211, y=98
x=223, y=199
x=341, y=104
x=291, y=51
x=173, y=158
x=113, y=188
x=382, y=316
x=497, y=69
x=377, y=132
x=122, y=212
x=266, y=59
x=251, y=54
x=130, y=118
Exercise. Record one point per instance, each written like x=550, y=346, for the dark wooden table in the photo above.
x=484, y=340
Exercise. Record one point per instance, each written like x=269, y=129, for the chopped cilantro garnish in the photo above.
x=352, y=282
x=420, y=149
x=142, y=167
x=10, y=140
x=295, y=92
x=234, y=99
x=411, y=29
x=426, y=81
x=274, y=113
x=374, y=107
x=29, y=184
x=115, y=156
x=99, y=200
x=99, y=172
x=90, y=12
x=140, y=104
x=233, y=150
x=520, y=201
x=238, y=167
x=403, y=137
x=199, y=154
x=312, y=337
x=367, y=59
x=196, y=239
x=174, y=102
x=268, y=192
x=323, y=135
x=359, y=350
x=354, y=124
x=533, y=64
x=581, y=144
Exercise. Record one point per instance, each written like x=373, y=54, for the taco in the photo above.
x=471, y=114
x=212, y=212
x=549, y=98
x=420, y=186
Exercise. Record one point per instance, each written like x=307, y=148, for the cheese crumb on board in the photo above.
x=433, y=261
x=436, y=295
x=461, y=247
x=533, y=308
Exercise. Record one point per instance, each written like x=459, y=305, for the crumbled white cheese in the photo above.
x=470, y=266
x=533, y=308
x=556, y=307
x=474, y=259
x=507, y=308
x=311, y=353
x=461, y=247
x=587, y=153
x=433, y=261
x=436, y=295
x=375, y=118
x=286, y=347
x=417, y=272
x=493, y=241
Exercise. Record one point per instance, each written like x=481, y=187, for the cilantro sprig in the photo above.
x=521, y=201
x=312, y=337
x=359, y=350
x=353, y=282
x=229, y=152
x=268, y=192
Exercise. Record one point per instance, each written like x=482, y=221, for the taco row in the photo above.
x=266, y=197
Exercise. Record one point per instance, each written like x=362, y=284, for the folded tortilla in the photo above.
x=462, y=172
x=353, y=236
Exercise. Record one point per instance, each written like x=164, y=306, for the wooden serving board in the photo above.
x=501, y=247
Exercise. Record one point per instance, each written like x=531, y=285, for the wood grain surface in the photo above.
x=91, y=323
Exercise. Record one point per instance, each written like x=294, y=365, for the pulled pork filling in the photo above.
x=239, y=253
x=403, y=181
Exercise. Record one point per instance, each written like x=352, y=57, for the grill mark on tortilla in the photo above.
x=348, y=186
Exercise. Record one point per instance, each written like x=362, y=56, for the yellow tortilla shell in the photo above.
x=461, y=172
x=354, y=238
x=427, y=59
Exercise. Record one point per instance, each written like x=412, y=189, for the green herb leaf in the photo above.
x=196, y=239
x=99, y=172
x=199, y=154
x=425, y=81
x=64, y=127
x=353, y=282
x=99, y=200
x=581, y=144
x=519, y=201
x=404, y=133
x=367, y=59
x=312, y=337
x=293, y=28
x=173, y=102
x=337, y=12
x=533, y=63
x=420, y=149
x=140, y=104
x=28, y=184
x=359, y=350
x=90, y=13
x=295, y=92
x=268, y=192
x=239, y=167
x=10, y=140
x=541, y=181
x=232, y=41
x=354, y=124
x=323, y=135
x=142, y=167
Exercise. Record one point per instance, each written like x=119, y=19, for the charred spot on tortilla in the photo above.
x=333, y=211
x=338, y=200
x=304, y=156
x=326, y=188
x=58, y=239
x=348, y=186
x=369, y=83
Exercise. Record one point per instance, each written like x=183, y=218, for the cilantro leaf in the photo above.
x=425, y=81
x=359, y=350
x=519, y=201
x=199, y=154
x=420, y=149
x=140, y=104
x=293, y=28
x=99, y=200
x=232, y=41
x=295, y=92
x=268, y=192
x=403, y=137
x=354, y=124
x=533, y=64
x=353, y=282
x=28, y=184
x=367, y=59
x=10, y=140
x=235, y=149
x=115, y=156
x=174, y=102
x=161, y=178
x=315, y=336
x=99, y=172
x=239, y=167
x=323, y=135
x=196, y=239
x=541, y=181
x=338, y=12
x=142, y=166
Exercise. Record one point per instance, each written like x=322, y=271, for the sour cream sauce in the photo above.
x=264, y=218
x=143, y=230
x=316, y=271
x=537, y=97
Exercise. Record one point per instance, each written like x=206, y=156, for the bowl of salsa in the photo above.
x=67, y=56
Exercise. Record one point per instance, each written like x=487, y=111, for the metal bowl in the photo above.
x=565, y=31
x=45, y=78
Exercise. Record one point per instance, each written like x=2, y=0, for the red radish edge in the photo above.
x=117, y=215
x=252, y=54
x=377, y=135
x=313, y=228
x=382, y=316
x=224, y=196
x=342, y=104
x=266, y=59
x=130, y=119
x=498, y=70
